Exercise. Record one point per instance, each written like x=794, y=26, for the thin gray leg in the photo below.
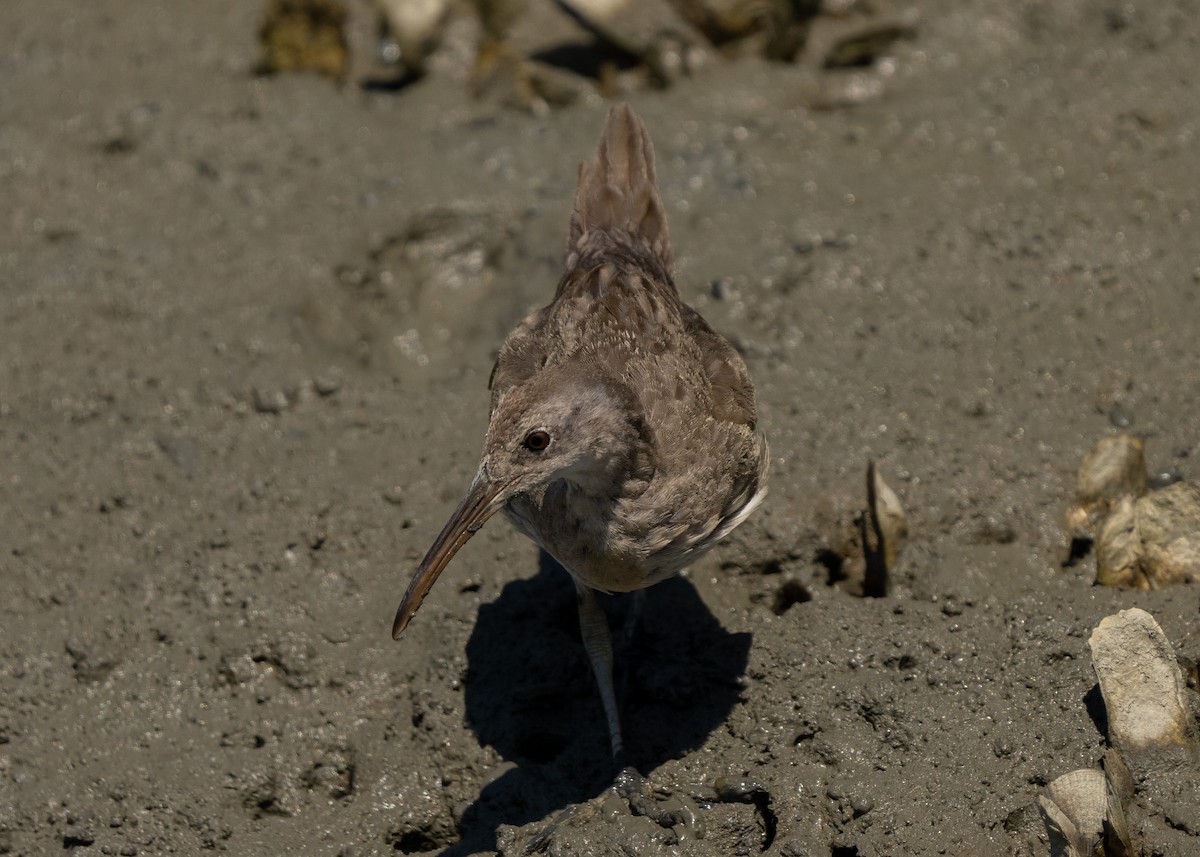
x=597, y=641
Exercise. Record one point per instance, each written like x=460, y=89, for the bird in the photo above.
x=623, y=436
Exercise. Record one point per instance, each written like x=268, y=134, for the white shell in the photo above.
x=1074, y=808
x=1143, y=691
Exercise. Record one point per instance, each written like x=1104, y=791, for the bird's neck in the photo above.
x=620, y=473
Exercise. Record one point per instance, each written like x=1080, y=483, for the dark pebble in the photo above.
x=1165, y=476
x=270, y=401
x=1119, y=417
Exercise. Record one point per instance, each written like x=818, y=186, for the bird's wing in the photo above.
x=732, y=389
x=521, y=355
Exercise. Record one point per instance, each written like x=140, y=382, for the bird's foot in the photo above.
x=675, y=809
x=633, y=793
x=664, y=806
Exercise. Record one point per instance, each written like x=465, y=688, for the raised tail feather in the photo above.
x=617, y=194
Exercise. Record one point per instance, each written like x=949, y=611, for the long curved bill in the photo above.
x=484, y=498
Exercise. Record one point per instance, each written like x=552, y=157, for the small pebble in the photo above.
x=736, y=790
x=797, y=847
x=1119, y=417
x=993, y=531
x=269, y=401
x=351, y=276
x=76, y=649
x=327, y=383
x=1165, y=476
x=861, y=805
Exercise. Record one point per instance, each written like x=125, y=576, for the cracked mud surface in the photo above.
x=247, y=329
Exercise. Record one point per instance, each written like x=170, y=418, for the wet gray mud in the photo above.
x=247, y=329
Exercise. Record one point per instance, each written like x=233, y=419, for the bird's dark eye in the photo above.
x=536, y=441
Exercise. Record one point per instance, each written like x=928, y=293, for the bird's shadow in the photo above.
x=530, y=694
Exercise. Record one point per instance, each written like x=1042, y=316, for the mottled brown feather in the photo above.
x=617, y=319
x=618, y=193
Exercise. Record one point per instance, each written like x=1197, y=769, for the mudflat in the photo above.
x=246, y=325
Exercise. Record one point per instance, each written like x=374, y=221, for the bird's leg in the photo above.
x=667, y=809
x=630, y=785
x=597, y=642
x=670, y=808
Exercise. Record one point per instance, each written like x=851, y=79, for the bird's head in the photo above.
x=555, y=426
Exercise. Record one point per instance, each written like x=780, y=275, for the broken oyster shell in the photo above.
x=649, y=30
x=884, y=528
x=504, y=75
x=1084, y=815
x=1153, y=746
x=1143, y=689
x=780, y=25
x=410, y=30
x=1074, y=808
x=304, y=35
x=1152, y=541
x=1114, y=468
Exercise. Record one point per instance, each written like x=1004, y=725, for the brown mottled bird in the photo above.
x=623, y=437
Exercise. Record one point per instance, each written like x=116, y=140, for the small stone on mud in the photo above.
x=272, y=794
x=327, y=383
x=270, y=401
x=183, y=452
x=861, y=805
x=1165, y=476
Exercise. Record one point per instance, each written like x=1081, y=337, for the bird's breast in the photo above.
x=607, y=544
x=587, y=537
